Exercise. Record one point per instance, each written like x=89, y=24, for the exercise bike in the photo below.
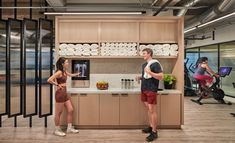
x=213, y=91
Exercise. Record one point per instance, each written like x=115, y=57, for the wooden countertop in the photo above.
x=116, y=91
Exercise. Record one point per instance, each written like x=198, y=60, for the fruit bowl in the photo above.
x=102, y=85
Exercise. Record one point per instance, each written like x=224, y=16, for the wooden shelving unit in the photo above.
x=142, y=30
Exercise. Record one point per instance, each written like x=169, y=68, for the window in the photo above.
x=211, y=52
x=227, y=58
x=192, y=55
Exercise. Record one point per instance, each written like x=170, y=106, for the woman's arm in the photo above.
x=72, y=74
x=208, y=69
x=52, y=79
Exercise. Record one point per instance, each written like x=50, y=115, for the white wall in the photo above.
x=222, y=34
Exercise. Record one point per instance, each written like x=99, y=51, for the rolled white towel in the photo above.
x=62, y=46
x=174, y=53
x=174, y=47
x=147, y=76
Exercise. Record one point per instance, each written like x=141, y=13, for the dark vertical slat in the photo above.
x=45, y=8
x=30, y=121
x=40, y=67
x=51, y=65
x=15, y=10
x=22, y=91
x=218, y=57
x=45, y=121
x=213, y=35
x=24, y=68
x=199, y=52
x=8, y=63
x=36, y=72
x=15, y=121
x=0, y=121
x=0, y=9
x=30, y=10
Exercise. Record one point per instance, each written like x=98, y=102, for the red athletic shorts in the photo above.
x=149, y=96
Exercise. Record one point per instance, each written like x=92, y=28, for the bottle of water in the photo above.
x=132, y=83
x=122, y=83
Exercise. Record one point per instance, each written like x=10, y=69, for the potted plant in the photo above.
x=169, y=81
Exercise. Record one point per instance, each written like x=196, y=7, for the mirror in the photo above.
x=15, y=65
x=30, y=62
x=45, y=93
x=3, y=47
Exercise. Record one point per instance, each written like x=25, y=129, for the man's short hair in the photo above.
x=149, y=51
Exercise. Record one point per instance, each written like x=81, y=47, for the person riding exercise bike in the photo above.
x=203, y=73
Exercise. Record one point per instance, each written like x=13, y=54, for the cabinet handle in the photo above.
x=124, y=94
x=164, y=94
x=83, y=94
x=115, y=94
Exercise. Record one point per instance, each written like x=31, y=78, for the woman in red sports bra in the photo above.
x=61, y=97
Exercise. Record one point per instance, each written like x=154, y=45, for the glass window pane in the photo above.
x=46, y=35
x=3, y=67
x=192, y=55
x=30, y=66
x=211, y=52
x=227, y=58
x=15, y=67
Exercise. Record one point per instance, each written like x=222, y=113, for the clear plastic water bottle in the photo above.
x=122, y=83
x=128, y=83
x=132, y=83
x=125, y=81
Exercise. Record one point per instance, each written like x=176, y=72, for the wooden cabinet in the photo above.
x=109, y=109
x=119, y=32
x=88, y=109
x=170, y=109
x=129, y=109
x=75, y=32
x=122, y=109
x=163, y=32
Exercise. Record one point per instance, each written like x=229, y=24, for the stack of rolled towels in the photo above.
x=161, y=49
x=118, y=49
x=79, y=49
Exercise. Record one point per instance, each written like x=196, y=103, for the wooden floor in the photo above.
x=209, y=123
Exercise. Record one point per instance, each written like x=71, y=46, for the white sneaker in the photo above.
x=59, y=132
x=72, y=130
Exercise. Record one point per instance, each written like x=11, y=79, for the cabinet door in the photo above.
x=170, y=109
x=109, y=109
x=129, y=109
x=63, y=118
x=78, y=32
x=88, y=109
x=124, y=31
x=162, y=31
x=144, y=112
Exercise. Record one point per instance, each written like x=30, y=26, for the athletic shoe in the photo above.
x=59, y=132
x=147, y=130
x=72, y=130
x=152, y=137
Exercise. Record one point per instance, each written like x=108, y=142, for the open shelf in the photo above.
x=117, y=57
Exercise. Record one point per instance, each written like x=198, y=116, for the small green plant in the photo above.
x=169, y=81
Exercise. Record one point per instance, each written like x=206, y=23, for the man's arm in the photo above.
x=158, y=76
